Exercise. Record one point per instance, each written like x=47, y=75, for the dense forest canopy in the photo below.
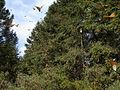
x=75, y=47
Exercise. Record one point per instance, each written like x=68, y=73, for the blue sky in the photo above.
x=22, y=8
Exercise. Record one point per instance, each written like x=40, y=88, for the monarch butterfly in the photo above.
x=111, y=16
x=81, y=30
x=118, y=1
x=17, y=25
x=10, y=25
x=114, y=64
x=114, y=23
x=39, y=8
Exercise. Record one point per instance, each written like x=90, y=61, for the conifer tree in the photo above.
x=72, y=48
x=8, y=41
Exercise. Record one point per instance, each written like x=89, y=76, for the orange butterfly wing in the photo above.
x=10, y=25
x=111, y=16
x=39, y=8
x=114, y=65
x=113, y=62
x=106, y=16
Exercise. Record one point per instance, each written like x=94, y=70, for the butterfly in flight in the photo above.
x=17, y=25
x=111, y=16
x=114, y=64
x=10, y=25
x=38, y=8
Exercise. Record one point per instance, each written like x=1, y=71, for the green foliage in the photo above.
x=100, y=52
x=2, y=3
x=60, y=51
x=3, y=80
x=60, y=56
x=8, y=50
x=115, y=86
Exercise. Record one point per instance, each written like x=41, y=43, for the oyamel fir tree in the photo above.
x=8, y=41
x=72, y=48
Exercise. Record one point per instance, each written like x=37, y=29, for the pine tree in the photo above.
x=8, y=41
x=71, y=49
